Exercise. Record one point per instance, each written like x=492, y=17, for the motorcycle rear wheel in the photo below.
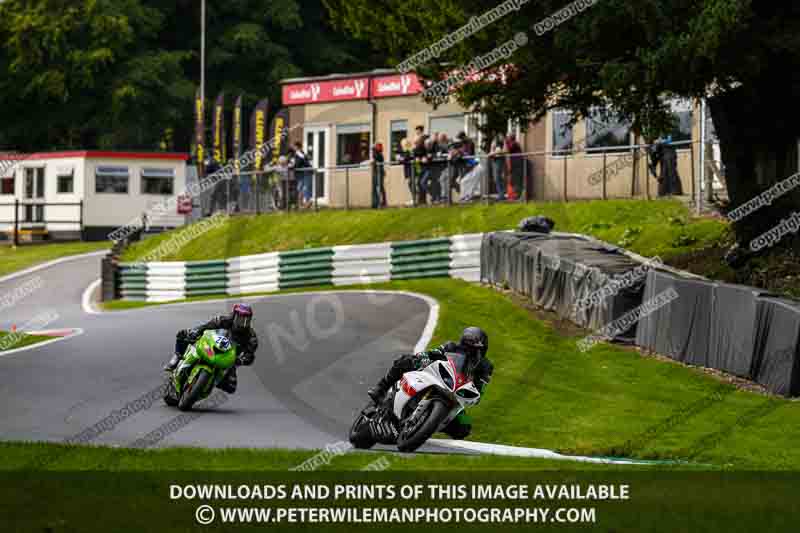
x=412, y=438
x=193, y=392
x=360, y=435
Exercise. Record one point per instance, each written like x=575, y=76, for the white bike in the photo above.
x=420, y=404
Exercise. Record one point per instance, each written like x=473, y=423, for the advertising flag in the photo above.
x=219, y=129
x=199, y=131
x=237, y=133
x=277, y=131
x=258, y=131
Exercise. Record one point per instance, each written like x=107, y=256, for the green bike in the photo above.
x=203, y=366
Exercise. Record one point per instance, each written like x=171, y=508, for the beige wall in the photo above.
x=549, y=174
x=412, y=109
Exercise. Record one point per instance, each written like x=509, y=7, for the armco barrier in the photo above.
x=457, y=257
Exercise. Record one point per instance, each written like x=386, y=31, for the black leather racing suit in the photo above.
x=246, y=342
x=460, y=427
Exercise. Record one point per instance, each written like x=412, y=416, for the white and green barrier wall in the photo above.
x=457, y=257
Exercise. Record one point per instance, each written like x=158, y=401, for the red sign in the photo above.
x=325, y=91
x=184, y=205
x=397, y=85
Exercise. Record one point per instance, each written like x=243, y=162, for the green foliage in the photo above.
x=629, y=236
x=120, y=73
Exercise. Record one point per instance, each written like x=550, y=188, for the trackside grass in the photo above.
x=19, y=258
x=25, y=340
x=661, y=227
x=609, y=401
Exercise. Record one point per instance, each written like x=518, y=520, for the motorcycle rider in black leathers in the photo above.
x=474, y=344
x=242, y=334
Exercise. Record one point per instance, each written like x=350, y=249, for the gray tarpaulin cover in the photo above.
x=777, y=346
x=679, y=329
x=733, y=328
x=556, y=270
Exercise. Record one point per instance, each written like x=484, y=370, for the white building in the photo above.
x=62, y=194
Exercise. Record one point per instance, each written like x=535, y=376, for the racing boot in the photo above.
x=172, y=364
x=378, y=392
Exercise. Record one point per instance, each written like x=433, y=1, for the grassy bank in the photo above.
x=22, y=257
x=610, y=401
x=650, y=228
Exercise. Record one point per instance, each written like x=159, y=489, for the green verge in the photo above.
x=610, y=401
x=658, y=227
x=22, y=257
x=26, y=340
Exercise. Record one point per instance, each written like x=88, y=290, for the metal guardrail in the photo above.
x=275, y=188
x=19, y=221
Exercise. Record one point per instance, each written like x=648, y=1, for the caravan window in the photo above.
x=112, y=180
x=158, y=181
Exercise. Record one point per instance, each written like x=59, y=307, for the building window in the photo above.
x=398, y=130
x=65, y=181
x=158, y=181
x=451, y=125
x=562, y=132
x=7, y=185
x=34, y=182
x=682, y=114
x=112, y=180
x=352, y=144
x=607, y=132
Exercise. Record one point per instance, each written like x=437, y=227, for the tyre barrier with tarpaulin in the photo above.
x=737, y=329
x=558, y=270
x=740, y=330
x=457, y=256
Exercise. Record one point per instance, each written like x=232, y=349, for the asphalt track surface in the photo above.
x=318, y=354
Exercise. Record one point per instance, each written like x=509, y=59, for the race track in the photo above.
x=318, y=354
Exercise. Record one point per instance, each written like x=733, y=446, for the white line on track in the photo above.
x=537, y=453
x=86, y=299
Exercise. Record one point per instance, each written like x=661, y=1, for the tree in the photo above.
x=122, y=74
x=633, y=54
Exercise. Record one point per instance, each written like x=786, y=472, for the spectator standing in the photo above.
x=298, y=161
x=435, y=166
x=406, y=158
x=421, y=169
x=498, y=159
x=514, y=167
x=378, y=177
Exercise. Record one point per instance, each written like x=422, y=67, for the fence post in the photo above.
x=448, y=187
x=605, y=167
x=314, y=188
x=80, y=216
x=695, y=196
x=525, y=163
x=258, y=194
x=566, y=199
x=16, y=222
x=347, y=187
x=413, y=184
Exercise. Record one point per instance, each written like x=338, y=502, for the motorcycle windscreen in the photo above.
x=461, y=365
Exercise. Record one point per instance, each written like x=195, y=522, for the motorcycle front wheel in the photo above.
x=415, y=432
x=193, y=391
